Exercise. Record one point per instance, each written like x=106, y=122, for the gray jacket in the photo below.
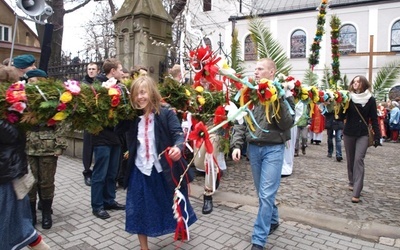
x=278, y=129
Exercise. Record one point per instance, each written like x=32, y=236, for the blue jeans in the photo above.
x=105, y=169
x=338, y=141
x=266, y=166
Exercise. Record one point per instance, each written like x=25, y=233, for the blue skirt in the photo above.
x=16, y=229
x=149, y=205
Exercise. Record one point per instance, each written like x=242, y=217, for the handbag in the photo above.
x=370, y=130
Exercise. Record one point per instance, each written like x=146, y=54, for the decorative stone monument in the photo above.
x=140, y=25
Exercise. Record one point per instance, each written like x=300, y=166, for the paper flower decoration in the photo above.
x=200, y=135
x=234, y=113
x=204, y=64
x=266, y=91
x=66, y=97
x=220, y=116
x=73, y=87
x=17, y=107
x=109, y=83
x=16, y=96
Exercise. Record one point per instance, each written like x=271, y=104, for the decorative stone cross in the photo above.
x=371, y=55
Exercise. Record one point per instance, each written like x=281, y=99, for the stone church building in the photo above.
x=367, y=26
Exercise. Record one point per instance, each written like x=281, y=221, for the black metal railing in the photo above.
x=75, y=71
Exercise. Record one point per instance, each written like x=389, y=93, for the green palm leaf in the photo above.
x=310, y=78
x=268, y=47
x=236, y=57
x=385, y=79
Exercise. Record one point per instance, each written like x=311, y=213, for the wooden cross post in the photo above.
x=371, y=55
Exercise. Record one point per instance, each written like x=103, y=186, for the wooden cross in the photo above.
x=371, y=54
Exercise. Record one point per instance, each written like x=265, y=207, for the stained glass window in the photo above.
x=347, y=39
x=395, y=40
x=298, y=44
x=250, y=49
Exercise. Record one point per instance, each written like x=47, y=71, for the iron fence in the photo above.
x=73, y=71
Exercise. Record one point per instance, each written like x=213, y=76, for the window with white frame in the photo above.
x=395, y=37
x=5, y=33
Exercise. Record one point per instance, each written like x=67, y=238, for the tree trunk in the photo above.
x=57, y=19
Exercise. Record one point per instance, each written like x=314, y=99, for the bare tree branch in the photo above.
x=112, y=7
x=77, y=7
x=177, y=8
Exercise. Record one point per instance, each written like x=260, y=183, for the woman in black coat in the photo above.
x=17, y=230
x=362, y=107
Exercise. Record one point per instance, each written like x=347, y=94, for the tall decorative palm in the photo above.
x=268, y=47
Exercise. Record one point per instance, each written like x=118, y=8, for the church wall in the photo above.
x=374, y=19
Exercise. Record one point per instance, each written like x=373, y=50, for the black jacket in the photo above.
x=87, y=79
x=355, y=126
x=13, y=159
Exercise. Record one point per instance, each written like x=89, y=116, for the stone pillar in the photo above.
x=135, y=19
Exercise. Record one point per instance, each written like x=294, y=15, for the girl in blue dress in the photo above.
x=150, y=180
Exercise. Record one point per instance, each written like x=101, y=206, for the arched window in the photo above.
x=395, y=41
x=347, y=39
x=298, y=44
x=250, y=49
x=207, y=41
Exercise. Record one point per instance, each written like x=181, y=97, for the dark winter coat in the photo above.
x=278, y=129
x=87, y=79
x=13, y=160
x=355, y=126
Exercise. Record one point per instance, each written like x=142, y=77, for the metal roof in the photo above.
x=273, y=6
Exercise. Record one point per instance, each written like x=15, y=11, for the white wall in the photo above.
x=375, y=19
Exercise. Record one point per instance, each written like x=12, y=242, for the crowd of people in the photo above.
x=137, y=154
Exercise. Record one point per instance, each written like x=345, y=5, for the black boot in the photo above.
x=208, y=204
x=39, y=206
x=33, y=211
x=47, y=221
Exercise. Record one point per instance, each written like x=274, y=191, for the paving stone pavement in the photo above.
x=315, y=208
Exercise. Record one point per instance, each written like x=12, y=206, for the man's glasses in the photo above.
x=92, y=69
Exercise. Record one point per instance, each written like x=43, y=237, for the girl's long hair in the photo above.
x=364, y=84
x=150, y=86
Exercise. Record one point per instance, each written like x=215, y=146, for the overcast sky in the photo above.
x=73, y=38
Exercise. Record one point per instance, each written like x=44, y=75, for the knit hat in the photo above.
x=23, y=61
x=34, y=73
x=394, y=103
